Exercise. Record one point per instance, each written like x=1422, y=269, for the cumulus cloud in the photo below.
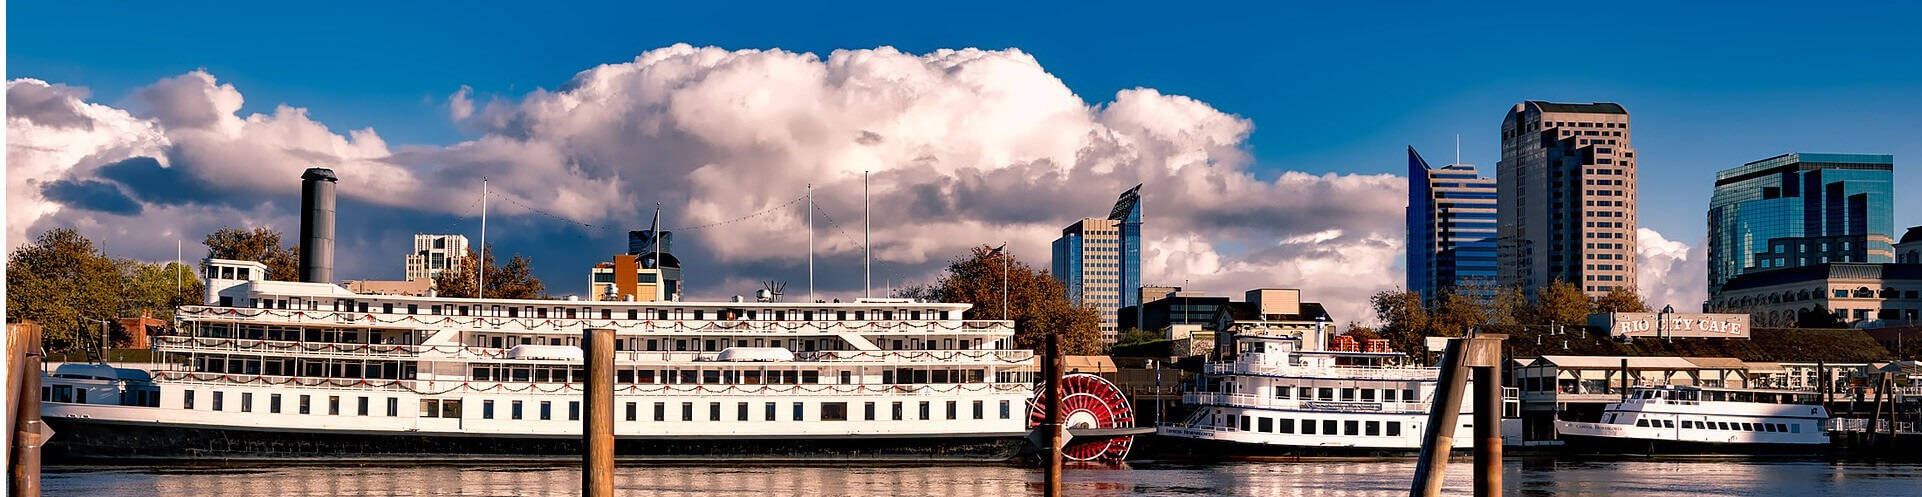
x=1671, y=272
x=964, y=147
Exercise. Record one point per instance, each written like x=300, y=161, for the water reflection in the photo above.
x=1524, y=477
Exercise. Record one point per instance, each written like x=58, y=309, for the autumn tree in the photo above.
x=260, y=245
x=1455, y=314
x=64, y=283
x=1562, y=303
x=516, y=280
x=1360, y=332
x=1509, y=307
x=1620, y=300
x=1404, y=322
x=1037, y=303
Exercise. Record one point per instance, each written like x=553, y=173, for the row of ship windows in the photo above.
x=1721, y=425
x=1347, y=394
x=588, y=312
x=1308, y=426
x=451, y=408
x=714, y=345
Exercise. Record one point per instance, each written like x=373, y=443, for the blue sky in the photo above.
x=1329, y=88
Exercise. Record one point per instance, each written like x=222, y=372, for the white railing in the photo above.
x=168, y=343
x=443, y=387
x=1246, y=400
x=353, y=350
x=399, y=320
x=1346, y=372
x=918, y=356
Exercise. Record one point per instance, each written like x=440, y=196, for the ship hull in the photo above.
x=85, y=440
x=1165, y=446
x=1587, y=444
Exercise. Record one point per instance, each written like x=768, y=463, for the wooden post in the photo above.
x=1052, y=480
x=1624, y=391
x=1438, y=438
x=1488, y=431
x=597, y=426
x=23, y=340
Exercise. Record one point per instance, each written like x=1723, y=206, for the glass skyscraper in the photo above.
x=1798, y=210
x=1099, y=261
x=1451, y=230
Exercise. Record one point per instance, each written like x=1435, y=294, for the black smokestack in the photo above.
x=317, y=225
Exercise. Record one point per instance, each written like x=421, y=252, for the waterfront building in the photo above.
x=1566, y=197
x=1272, y=312
x=1098, y=260
x=1857, y=294
x=1451, y=230
x=1908, y=250
x=1174, y=314
x=435, y=253
x=636, y=278
x=1800, y=209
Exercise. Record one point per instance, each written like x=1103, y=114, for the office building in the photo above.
x=1565, y=190
x=1795, y=210
x=1451, y=230
x=1857, y=294
x=435, y=253
x=635, y=278
x=1098, y=260
x=1908, y=250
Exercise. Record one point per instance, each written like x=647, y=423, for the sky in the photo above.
x=1272, y=137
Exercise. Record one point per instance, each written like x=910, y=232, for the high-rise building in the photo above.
x=435, y=253
x=1099, y=261
x=1798, y=209
x=1565, y=190
x=1451, y=230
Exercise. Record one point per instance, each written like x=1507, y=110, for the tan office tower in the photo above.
x=1088, y=261
x=1566, y=193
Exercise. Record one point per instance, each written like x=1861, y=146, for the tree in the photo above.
x=1133, y=336
x=516, y=280
x=1037, y=303
x=1620, y=300
x=1819, y=317
x=260, y=245
x=1455, y=314
x=64, y=283
x=158, y=288
x=1361, y=333
x=1562, y=303
x=1510, y=307
x=1404, y=322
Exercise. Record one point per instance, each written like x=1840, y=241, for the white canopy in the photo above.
x=547, y=352
x=756, y=354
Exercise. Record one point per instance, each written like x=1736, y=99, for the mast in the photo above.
x=480, y=285
x=867, y=241
x=660, y=270
x=810, y=242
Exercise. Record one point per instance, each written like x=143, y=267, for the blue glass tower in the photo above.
x=1800, y=209
x=1127, y=211
x=1451, y=230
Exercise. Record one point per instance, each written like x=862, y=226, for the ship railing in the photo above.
x=918, y=356
x=1356, y=372
x=1868, y=425
x=524, y=323
x=209, y=344
x=445, y=387
x=1246, y=400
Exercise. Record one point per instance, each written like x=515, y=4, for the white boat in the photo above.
x=1682, y=419
x=277, y=370
x=1286, y=396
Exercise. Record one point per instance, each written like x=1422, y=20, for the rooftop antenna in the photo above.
x=810, y=242
x=480, y=285
x=1458, y=148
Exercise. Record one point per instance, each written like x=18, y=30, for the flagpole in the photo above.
x=660, y=269
x=480, y=285
x=867, y=241
x=1004, y=280
x=811, y=242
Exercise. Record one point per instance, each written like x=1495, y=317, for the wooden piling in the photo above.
x=1438, y=438
x=23, y=352
x=1052, y=480
x=1488, y=431
x=597, y=424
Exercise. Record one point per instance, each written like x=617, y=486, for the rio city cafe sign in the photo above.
x=1679, y=325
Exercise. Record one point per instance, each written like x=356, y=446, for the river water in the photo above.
x=1524, y=477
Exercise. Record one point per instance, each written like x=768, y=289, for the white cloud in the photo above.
x=1671, y=272
x=965, y=147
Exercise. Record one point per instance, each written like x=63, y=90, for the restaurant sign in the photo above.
x=1672, y=324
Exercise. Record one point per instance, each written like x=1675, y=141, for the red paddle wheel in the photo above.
x=1088, y=401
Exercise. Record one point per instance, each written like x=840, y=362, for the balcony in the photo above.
x=574, y=325
x=1342, y=372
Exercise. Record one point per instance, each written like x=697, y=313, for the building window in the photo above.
x=834, y=411
x=547, y=410
x=487, y=409
x=362, y=407
x=574, y=410
x=393, y=406
x=273, y=403
x=306, y=404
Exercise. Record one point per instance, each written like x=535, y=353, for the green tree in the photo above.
x=158, y=288
x=1562, y=303
x=1036, y=302
x=260, y=245
x=64, y=283
x=1403, y=320
x=1455, y=314
x=516, y=280
x=1133, y=336
x=1620, y=300
x=1510, y=307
